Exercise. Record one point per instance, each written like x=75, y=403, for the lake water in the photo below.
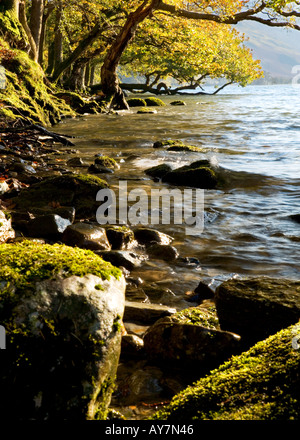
x=255, y=131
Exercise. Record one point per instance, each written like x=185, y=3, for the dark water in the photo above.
x=254, y=131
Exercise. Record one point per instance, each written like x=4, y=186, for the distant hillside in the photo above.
x=277, y=48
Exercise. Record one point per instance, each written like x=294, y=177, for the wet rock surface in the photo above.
x=47, y=202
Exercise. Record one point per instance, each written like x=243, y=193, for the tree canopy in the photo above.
x=156, y=39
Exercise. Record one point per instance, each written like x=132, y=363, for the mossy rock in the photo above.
x=146, y=111
x=191, y=338
x=136, y=102
x=76, y=190
x=107, y=162
x=183, y=147
x=154, y=102
x=26, y=95
x=200, y=176
x=60, y=307
x=260, y=384
x=167, y=143
x=158, y=171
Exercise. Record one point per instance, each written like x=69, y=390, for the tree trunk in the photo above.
x=80, y=49
x=109, y=77
x=23, y=20
x=36, y=22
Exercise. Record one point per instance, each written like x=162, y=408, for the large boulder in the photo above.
x=76, y=190
x=62, y=309
x=260, y=384
x=190, y=338
x=256, y=308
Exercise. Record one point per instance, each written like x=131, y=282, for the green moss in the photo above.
x=106, y=161
x=76, y=190
x=197, y=316
x=152, y=101
x=136, y=102
x=25, y=263
x=26, y=95
x=260, y=384
x=167, y=143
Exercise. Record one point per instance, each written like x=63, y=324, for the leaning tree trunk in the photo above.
x=109, y=78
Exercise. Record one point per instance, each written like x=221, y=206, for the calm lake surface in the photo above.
x=254, y=131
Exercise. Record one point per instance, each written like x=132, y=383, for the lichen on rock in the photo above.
x=60, y=307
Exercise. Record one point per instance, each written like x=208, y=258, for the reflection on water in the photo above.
x=247, y=227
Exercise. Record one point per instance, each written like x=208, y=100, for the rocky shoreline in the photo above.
x=48, y=204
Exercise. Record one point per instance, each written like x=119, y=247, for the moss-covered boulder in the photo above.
x=260, y=384
x=76, y=190
x=136, y=102
x=191, y=338
x=257, y=307
x=197, y=175
x=152, y=101
x=62, y=310
x=107, y=162
x=158, y=171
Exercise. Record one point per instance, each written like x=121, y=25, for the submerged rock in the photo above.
x=260, y=384
x=62, y=310
x=256, y=308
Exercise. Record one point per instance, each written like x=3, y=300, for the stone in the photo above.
x=127, y=259
x=62, y=308
x=163, y=252
x=158, y=171
x=99, y=169
x=120, y=237
x=257, y=307
x=86, y=236
x=132, y=346
x=147, y=236
x=76, y=162
x=47, y=226
x=197, y=175
x=6, y=230
x=74, y=190
x=259, y=384
x=182, y=340
x=178, y=102
x=145, y=314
